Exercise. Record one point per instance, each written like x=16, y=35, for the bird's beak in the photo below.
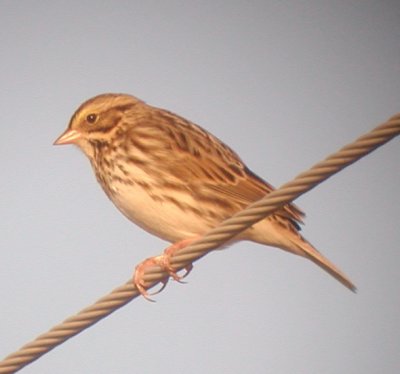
x=68, y=137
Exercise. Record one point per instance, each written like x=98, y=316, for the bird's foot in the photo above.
x=163, y=261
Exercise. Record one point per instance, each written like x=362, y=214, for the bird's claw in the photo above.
x=164, y=262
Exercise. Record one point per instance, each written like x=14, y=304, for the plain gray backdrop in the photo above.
x=284, y=83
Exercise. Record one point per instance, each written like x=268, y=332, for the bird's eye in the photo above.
x=91, y=118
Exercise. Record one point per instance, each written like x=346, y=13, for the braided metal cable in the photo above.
x=212, y=240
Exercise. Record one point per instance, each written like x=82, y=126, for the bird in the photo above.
x=176, y=180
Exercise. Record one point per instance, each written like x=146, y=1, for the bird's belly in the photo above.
x=158, y=216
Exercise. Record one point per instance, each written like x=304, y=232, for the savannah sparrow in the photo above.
x=175, y=179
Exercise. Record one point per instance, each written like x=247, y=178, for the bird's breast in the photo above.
x=172, y=215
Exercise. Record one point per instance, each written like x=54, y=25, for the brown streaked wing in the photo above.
x=251, y=188
x=209, y=164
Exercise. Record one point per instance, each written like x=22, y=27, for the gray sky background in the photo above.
x=284, y=83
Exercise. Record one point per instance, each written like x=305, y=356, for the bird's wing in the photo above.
x=206, y=164
x=250, y=188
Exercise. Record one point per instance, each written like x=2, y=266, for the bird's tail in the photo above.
x=308, y=251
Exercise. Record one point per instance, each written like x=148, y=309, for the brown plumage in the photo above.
x=175, y=179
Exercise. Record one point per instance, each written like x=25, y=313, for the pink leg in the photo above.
x=164, y=262
x=169, y=252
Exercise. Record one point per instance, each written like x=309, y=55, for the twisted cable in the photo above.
x=212, y=240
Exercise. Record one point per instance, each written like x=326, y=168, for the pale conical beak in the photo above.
x=68, y=137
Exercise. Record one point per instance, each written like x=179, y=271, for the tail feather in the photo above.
x=315, y=256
